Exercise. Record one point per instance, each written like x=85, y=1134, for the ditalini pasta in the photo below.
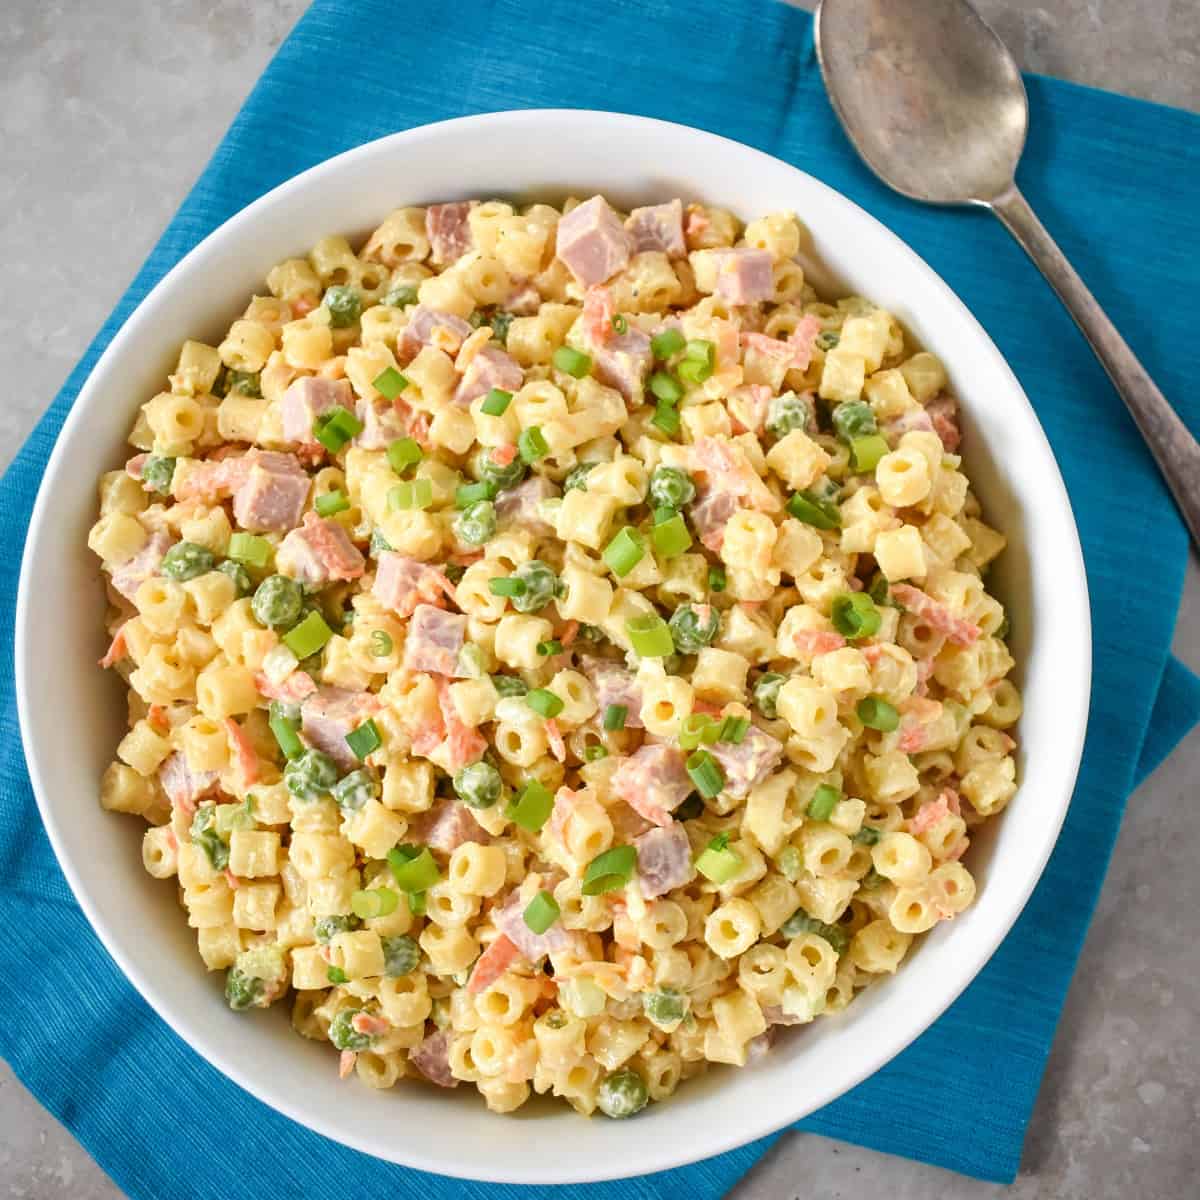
x=557, y=647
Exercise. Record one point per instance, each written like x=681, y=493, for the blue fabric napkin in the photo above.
x=1118, y=181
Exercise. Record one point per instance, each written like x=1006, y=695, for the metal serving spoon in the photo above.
x=933, y=101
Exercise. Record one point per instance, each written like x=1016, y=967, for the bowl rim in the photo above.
x=658, y=1157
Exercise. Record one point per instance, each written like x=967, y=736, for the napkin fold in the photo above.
x=1117, y=180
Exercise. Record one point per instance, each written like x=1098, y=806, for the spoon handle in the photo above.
x=1174, y=448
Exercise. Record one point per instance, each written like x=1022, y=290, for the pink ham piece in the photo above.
x=490, y=368
x=710, y=513
x=183, y=786
x=523, y=301
x=744, y=276
x=622, y=363
x=331, y=713
x=136, y=465
x=658, y=227
x=614, y=685
x=422, y=323
x=319, y=551
x=403, y=583
x=432, y=1058
x=522, y=505
x=938, y=617
x=652, y=782
x=591, y=242
x=449, y=231
x=305, y=400
x=491, y=964
x=912, y=420
x=435, y=639
x=773, y=1014
x=509, y=918
x=727, y=468
x=627, y=824
x=297, y=687
x=272, y=496
x=381, y=424
x=664, y=858
x=750, y=402
x=749, y=762
x=446, y=826
x=133, y=572
x=599, y=309
x=943, y=412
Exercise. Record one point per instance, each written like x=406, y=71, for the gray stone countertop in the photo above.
x=109, y=112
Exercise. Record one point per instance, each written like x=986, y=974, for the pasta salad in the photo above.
x=557, y=649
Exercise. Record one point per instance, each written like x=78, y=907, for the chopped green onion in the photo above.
x=609, y=871
x=285, y=733
x=594, y=753
x=868, y=835
x=706, y=774
x=614, y=717
x=472, y=493
x=865, y=452
x=364, y=739
x=666, y=418
x=531, y=806
x=337, y=975
x=416, y=903
x=625, y=551
x=331, y=503
x=824, y=801
x=665, y=387
x=404, y=453
x=650, y=636
x=375, y=902
x=335, y=427
x=800, y=922
x=878, y=589
x=820, y=514
x=381, y=643
x=854, y=615
x=671, y=537
x=507, y=585
x=250, y=549
x=496, y=403
x=717, y=863
x=693, y=729
x=734, y=730
x=716, y=578
x=666, y=343
x=877, y=713
x=541, y=912
x=572, y=361
x=412, y=872
x=389, y=383
x=544, y=702
x=619, y=323
x=549, y=648
x=309, y=636
x=412, y=493
x=699, y=361
x=531, y=445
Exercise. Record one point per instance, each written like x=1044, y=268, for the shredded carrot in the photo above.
x=116, y=650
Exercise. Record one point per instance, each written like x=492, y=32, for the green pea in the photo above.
x=541, y=586
x=186, y=560
x=500, y=477
x=400, y=955
x=242, y=991
x=671, y=488
x=476, y=524
x=500, y=322
x=344, y=304
x=694, y=628
x=310, y=775
x=478, y=785
x=246, y=383
x=622, y=1094
x=325, y=929
x=510, y=685
x=766, y=694
x=239, y=575
x=576, y=479
x=853, y=419
x=789, y=412
x=354, y=790
x=665, y=1008
x=343, y=1034
x=278, y=601
x=401, y=296
x=157, y=474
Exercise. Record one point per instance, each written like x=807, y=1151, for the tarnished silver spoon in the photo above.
x=934, y=103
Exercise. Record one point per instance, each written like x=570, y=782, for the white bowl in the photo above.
x=59, y=638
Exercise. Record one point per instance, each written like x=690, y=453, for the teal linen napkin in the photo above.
x=1117, y=180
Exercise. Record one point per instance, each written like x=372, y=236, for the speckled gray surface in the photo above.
x=107, y=114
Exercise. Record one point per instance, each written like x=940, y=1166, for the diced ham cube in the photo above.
x=490, y=368
x=331, y=713
x=423, y=323
x=943, y=413
x=652, y=782
x=664, y=858
x=728, y=469
x=435, y=639
x=296, y=688
x=803, y=341
x=214, y=478
x=622, y=363
x=627, y=825
x=403, y=583
x=128, y=576
x=749, y=762
x=382, y=424
x=431, y=1057
x=449, y=231
x=614, y=685
x=319, y=551
x=591, y=242
x=744, y=276
x=939, y=618
x=273, y=493
x=510, y=920
x=658, y=227
x=523, y=301
x=522, y=505
x=136, y=465
x=305, y=400
x=911, y=420
x=446, y=826
x=710, y=513
x=183, y=786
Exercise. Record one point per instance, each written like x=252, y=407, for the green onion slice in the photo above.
x=541, y=912
x=650, y=636
x=625, y=551
x=854, y=615
x=573, y=362
x=404, y=453
x=544, y=702
x=389, y=383
x=496, y=402
x=609, y=871
x=706, y=774
x=364, y=739
x=413, y=868
x=531, y=806
x=614, y=717
x=876, y=713
x=250, y=549
x=717, y=863
x=824, y=801
x=309, y=636
x=331, y=503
